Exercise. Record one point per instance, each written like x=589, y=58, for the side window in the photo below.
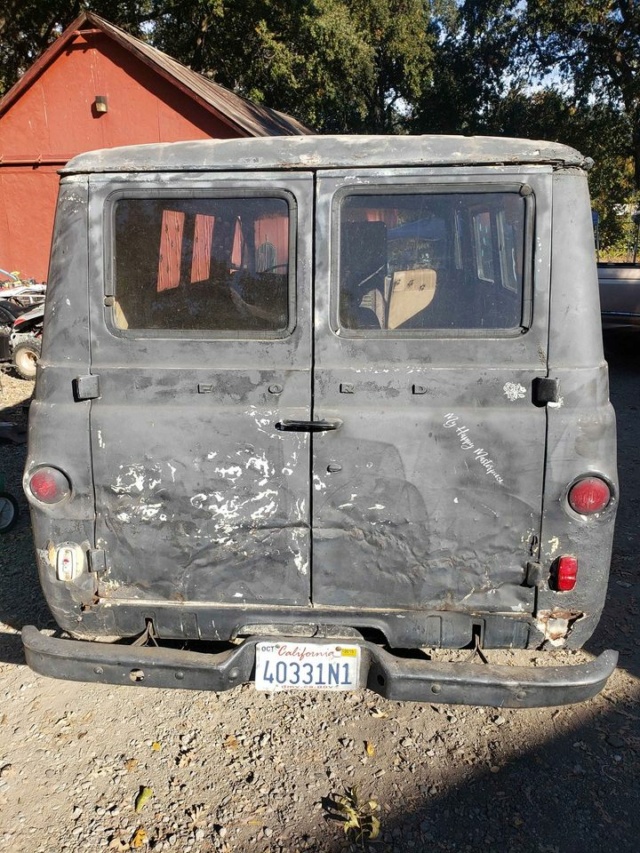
x=206, y=264
x=438, y=260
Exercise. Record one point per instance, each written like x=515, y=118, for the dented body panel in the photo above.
x=325, y=387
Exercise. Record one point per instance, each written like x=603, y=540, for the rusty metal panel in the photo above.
x=200, y=497
x=430, y=495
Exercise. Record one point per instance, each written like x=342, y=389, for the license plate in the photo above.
x=307, y=666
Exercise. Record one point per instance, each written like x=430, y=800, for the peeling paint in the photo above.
x=554, y=545
x=233, y=473
x=318, y=485
x=260, y=464
x=135, y=473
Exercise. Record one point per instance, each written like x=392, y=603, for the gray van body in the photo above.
x=303, y=473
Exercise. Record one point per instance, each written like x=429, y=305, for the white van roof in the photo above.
x=325, y=152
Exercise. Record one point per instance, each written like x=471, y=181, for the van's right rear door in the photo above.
x=430, y=338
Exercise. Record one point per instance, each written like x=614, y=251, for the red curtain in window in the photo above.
x=170, y=249
x=202, y=237
x=274, y=230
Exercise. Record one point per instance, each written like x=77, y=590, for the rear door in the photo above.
x=201, y=343
x=431, y=331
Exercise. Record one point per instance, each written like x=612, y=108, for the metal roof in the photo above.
x=326, y=152
x=247, y=118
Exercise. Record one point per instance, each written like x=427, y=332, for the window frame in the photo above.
x=147, y=193
x=520, y=188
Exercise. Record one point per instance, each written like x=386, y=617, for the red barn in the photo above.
x=98, y=87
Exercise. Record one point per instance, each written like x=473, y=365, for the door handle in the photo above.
x=308, y=426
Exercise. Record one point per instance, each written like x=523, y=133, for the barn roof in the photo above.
x=248, y=118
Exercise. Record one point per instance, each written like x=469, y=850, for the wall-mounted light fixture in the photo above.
x=100, y=104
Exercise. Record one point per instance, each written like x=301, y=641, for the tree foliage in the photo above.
x=564, y=71
x=337, y=65
x=595, y=45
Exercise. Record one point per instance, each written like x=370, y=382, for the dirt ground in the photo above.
x=245, y=771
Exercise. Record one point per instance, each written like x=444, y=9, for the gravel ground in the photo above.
x=246, y=771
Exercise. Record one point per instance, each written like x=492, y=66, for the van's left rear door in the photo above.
x=201, y=343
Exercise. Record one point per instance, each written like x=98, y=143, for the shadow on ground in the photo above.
x=572, y=785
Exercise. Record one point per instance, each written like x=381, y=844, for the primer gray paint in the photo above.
x=420, y=517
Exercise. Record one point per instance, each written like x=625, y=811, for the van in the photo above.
x=321, y=409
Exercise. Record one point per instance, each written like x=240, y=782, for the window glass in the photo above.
x=432, y=261
x=217, y=264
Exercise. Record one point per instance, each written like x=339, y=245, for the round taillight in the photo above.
x=589, y=495
x=49, y=485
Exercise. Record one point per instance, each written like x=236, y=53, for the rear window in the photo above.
x=433, y=261
x=207, y=264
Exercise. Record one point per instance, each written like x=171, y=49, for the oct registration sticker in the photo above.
x=307, y=666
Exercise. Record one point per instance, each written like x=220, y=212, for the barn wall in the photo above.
x=54, y=119
x=27, y=206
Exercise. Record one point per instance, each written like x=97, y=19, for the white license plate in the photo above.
x=307, y=666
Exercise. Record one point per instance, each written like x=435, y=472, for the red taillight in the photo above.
x=49, y=485
x=566, y=573
x=589, y=495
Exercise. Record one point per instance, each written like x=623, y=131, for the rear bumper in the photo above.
x=396, y=678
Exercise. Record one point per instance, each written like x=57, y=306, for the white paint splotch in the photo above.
x=514, y=391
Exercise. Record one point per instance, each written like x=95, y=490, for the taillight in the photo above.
x=49, y=485
x=589, y=495
x=566, y=573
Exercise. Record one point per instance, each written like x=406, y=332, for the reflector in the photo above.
x=566, y=573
